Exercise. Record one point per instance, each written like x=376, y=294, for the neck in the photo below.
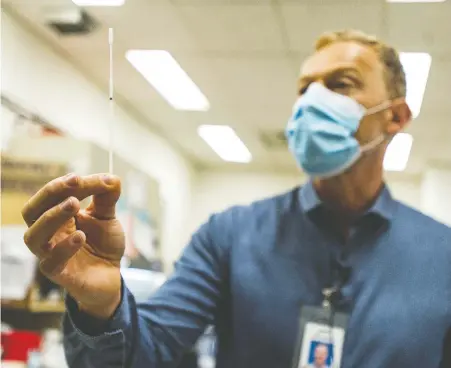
x=354, y=191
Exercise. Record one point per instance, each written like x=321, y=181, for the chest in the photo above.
x=399, y=302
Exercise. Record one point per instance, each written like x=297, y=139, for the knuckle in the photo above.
x=53, y=186
x=53, y=267
x=27, y=238
x=44, y=268
x=47, y=216
x=49, y=268
x=47, y=190
x=25, y=212
x=68, y=207
x=25, y=216
x=110, y=179
x=69, y=181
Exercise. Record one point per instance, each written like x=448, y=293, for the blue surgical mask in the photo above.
x=321, y=131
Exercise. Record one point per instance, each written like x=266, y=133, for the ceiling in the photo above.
x=245, y=55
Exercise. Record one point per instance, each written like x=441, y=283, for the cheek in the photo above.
x=369, y=128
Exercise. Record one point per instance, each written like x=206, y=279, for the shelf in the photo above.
x=33, y=305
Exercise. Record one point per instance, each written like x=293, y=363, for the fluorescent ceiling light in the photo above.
x=398, y=152
x=99, y=2
x=416, y=1
x=225, y=142
x=416, y=66
x=163, y=72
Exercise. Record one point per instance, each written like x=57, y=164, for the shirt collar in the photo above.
x=384, y=205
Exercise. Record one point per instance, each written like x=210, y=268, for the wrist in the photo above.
x=102, y=311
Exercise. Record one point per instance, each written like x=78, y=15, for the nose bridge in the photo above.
x=317, y=79
x=320, y=80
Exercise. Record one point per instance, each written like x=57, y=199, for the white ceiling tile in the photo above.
x=438, y=88
x=220, y=2
x=234, y=51
x=304, y=23
x=150, y=26
x=259, y=92
x=312, y=3
x=420, y=27
x=232, y=28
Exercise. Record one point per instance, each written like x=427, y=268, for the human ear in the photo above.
x=400, y=117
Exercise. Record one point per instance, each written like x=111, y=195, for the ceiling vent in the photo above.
x=274, y=140
x=71, y=22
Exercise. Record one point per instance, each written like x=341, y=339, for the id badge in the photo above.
x=321, y=338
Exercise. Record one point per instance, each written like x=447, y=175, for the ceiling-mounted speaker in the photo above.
x=71, y=21
x=274, y=140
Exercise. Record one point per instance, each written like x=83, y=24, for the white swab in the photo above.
x=111, y=102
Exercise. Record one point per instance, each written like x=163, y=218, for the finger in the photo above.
x=62, y=253
x=80, y=187
x=38, y=236
x=103, y=205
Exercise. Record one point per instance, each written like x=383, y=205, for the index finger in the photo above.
x=56, y=191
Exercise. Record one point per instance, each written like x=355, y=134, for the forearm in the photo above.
x=125, y=341
x=155, y=333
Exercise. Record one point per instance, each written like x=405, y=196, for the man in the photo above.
x=249, y=269
x=320, y=357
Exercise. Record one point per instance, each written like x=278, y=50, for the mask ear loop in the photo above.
x=381, y=138
x=374, y=110
x=373, y=144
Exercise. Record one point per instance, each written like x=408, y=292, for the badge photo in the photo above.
x=321, y=339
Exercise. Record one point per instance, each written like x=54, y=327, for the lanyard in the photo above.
x=329, y=302
x=330, y=296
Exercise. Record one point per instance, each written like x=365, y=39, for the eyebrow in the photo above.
x=341, y=70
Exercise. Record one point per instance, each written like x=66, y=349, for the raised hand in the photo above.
x=79, y=250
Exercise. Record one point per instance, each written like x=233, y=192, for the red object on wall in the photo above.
x=17, y=344
x=50, y=132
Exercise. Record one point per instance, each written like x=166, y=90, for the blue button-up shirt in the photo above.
x=248, y=271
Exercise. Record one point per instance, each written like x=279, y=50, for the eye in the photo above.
x=342, y=85
x=303, y=89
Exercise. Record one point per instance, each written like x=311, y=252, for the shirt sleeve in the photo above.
x=155, y=333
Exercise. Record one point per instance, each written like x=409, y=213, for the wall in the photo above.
x=42, y=81
x=436, y=193
x=215, y=191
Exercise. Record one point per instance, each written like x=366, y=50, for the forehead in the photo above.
x=343, y=55
x=321, y=348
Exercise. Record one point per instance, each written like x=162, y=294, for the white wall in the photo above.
x=436, y=194
x=406, y=189
x=215, y=191
x=42, y=81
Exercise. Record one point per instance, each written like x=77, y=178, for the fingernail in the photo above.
x=77, y=239
x=68, y=205
x=107, y=179
x=72, y=180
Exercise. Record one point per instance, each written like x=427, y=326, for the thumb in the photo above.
x=103, y=205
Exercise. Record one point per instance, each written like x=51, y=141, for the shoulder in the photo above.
x=421, y=227
x=237, y=216
x=421, y=220
x=237, y=221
